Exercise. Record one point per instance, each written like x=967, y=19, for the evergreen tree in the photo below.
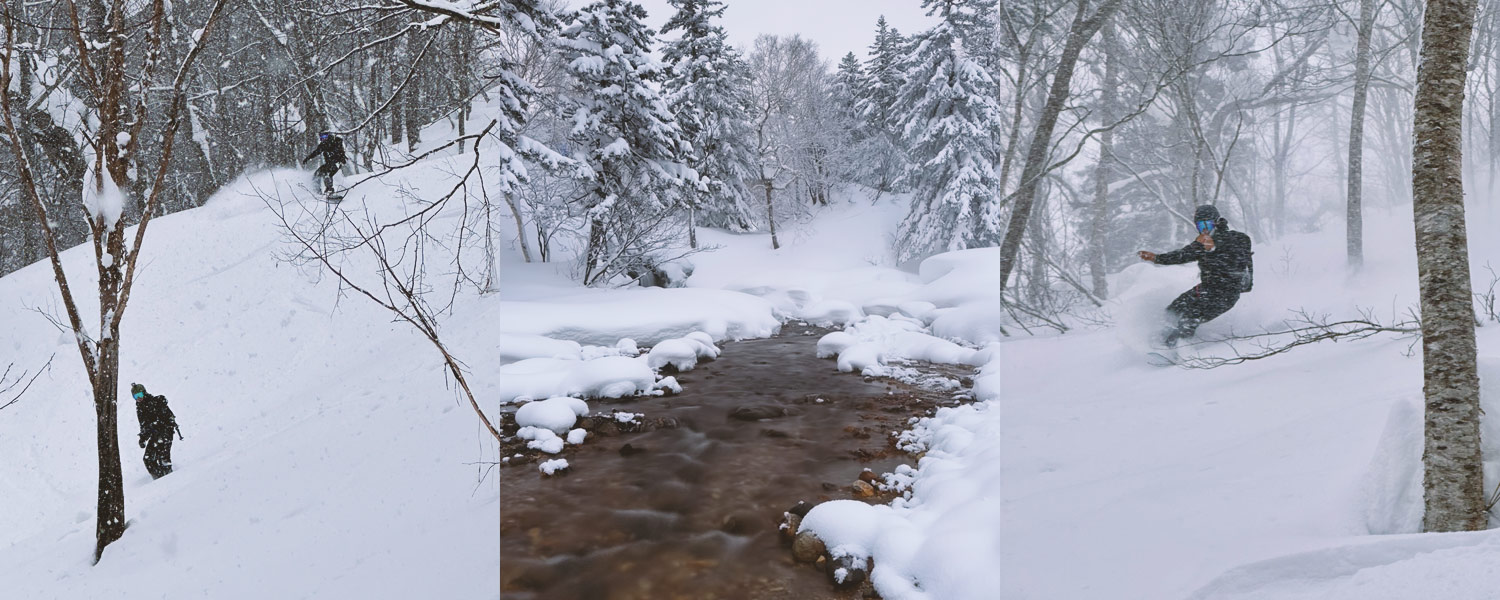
x=949, y=114
x=624, y=133
x=883, y=157
x=849, y=83
x=706, y=89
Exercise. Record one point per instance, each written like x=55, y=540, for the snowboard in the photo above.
x=335, y=196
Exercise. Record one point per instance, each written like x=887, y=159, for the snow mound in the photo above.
x=541, y=439
x=825, y=313
x=962, y=277
x=645, y=315
x=514, y=347
x=603, y=377
x=1462, y=566
x=551, y=467
x=682, y=353
x=850, y=526
x=867, y=345
x=556, y=414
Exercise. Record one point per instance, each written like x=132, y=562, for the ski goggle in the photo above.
x=1205, y=226
x=139, y=395
x=324, y=136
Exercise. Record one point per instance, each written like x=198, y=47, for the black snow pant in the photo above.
x=325, y=174
x=1195, y=307
x=159, y=455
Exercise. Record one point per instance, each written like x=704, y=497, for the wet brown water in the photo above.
x=691, y=512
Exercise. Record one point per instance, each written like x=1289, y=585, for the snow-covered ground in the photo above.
x=1296, y=476
x=326, y=455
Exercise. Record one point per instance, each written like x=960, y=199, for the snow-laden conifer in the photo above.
x=624, y=132
x=706, y=88
x=948, y=113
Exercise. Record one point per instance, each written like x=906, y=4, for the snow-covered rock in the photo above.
x=557, y=414
x=551, y=467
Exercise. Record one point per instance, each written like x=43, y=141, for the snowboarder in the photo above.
x=332, y=149
x=157, y=425
x=1225, y=270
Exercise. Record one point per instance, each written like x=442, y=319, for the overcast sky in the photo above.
x=838, y=26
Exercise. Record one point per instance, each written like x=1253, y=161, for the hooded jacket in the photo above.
x=1226, y=268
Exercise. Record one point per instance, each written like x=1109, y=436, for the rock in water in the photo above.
x=800, y=509
x=807, y=547
x=788, y=528
x=849, y=571
x=757, y=412
x=863, y=489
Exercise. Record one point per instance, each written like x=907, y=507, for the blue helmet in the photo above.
x=324, y=135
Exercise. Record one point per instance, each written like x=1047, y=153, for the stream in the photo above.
x=687, y=506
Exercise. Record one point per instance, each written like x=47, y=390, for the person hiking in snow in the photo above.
x=332, y=149
x=157, y=425
x=1225, y=270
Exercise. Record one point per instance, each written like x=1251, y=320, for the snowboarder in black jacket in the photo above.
x=157, y=425
x=332, y=149
x=1225, y=270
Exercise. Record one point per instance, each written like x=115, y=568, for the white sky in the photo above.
x=838, y=26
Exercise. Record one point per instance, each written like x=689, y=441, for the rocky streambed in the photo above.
x=682, y=496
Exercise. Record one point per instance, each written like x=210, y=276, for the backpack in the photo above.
x=1247, y=270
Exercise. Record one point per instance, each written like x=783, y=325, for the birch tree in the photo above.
x=1453, y=484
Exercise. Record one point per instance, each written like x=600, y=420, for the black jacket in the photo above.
x=1226, y=268
x=157, y=420
x=332, y=150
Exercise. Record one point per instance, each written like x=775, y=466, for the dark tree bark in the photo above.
x=1083, y=28
x=1454, y=479
x=1355, y=220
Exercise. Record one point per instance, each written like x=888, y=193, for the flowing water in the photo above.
x=691, y=511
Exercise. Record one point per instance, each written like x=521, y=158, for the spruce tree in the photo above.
x=883, y=156
x=706, y=89
x=624, y=133
x=949, y=113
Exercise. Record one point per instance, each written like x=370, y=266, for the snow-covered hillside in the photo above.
x=1264, y=480
x=325, y=453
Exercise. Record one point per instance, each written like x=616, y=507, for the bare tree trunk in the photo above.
x=771, y=214
x=692, y=228
x=1355, y=220
x=1102, y=173
x=1037, y=155
x=595, y=252
x=515, y=213
x=1454, y=477
x=110, y=515
x=1017, y=110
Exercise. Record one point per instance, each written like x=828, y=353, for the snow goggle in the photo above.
x=139, y=395
x=1205, y=226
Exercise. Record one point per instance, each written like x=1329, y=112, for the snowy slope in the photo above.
x=326, y=455
x=1265, y=480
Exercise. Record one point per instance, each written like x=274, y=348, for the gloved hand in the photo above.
x=143, y=442
x=1207, y=241
x=1147, y=255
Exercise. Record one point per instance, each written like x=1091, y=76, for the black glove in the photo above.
x=143, y=441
